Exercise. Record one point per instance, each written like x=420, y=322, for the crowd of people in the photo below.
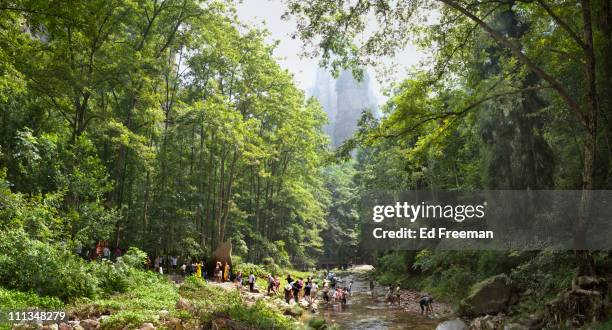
x=101, y=251
x=296, y=289
x=333, y=290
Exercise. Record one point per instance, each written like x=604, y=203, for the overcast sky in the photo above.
x=268, y=13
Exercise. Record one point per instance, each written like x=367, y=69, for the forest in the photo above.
x=167, y=127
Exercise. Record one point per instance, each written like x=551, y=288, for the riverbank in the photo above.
x=151, y=301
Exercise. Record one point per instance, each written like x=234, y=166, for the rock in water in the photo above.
x=490, y=296
x=488, y=322
x=456, y=324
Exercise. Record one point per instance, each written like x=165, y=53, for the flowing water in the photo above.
x=363, y=311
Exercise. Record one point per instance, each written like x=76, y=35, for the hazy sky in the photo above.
x=268, y=13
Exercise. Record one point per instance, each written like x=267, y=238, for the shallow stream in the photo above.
x=363, y=311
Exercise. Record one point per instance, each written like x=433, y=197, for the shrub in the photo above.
x=317, y=323
x=27, y=264
x=211, y=302
x=119, y=276
x=246, y=268
x=12, y=300
x=111, y=277
x=134, y=257
x=260, y=316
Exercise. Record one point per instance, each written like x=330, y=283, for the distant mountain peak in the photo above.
x=343, y=99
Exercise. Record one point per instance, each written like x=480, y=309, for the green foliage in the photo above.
x=18, y=300
x=317, y=323
x=542, y=277
x=248, y=268
x=214, y=302
x=134, y=257
x=261, y=316
x=111, y=277
x=104, y=135
x=143, y=297
x=27, y=264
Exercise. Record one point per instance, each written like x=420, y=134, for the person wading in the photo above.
x=426, y=304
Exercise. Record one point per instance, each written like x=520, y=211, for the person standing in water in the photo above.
x=398, y=294
x=426, y=304
x=313, y=292
x=343, y=296
x=389, y=295
x=372, y=288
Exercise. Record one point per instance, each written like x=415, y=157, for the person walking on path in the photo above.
x=217, y=271
x=219, y=275
x=308, y=287
x=173, y=263
x=192, y=268
x=106, y=253
x=239, y=280
x=117, y=253
x=157, y=263
x=296, y=291
x=288, y=292
x=271, y=284
x=226, y=271
x=251, y=282
x=199, y=269
x=301, y=292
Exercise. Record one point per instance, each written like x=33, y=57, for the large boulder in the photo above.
x=223, y=254
x=490, y=296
